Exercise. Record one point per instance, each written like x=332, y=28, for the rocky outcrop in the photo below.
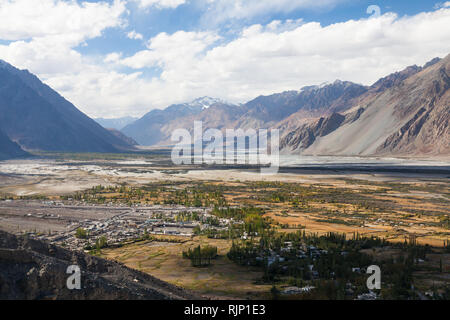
x=306, y=135
x=31, y=269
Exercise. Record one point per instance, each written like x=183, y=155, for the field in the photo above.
x=223, y=279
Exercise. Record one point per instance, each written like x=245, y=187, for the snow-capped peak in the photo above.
x=205, y=102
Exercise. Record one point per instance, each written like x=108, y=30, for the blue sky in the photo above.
x=151, y=21
x=125, y=57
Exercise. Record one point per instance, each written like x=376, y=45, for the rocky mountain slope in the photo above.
x=38, y=118
x=31, y=269
x=404, y=114
x=320, y=101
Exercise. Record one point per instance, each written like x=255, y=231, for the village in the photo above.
x=53, y=221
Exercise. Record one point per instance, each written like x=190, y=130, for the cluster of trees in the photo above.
x=194, y=196
x=187, y=216
x=100, y=243
x=248, y=221
x=322, y=260
x=194, y=216
x=201, y=195
x=201, y=257
x=100, y=194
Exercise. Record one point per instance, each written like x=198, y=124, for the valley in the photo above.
x=224, y=150
x=144, y=212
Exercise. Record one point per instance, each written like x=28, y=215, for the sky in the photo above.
x=126, y=57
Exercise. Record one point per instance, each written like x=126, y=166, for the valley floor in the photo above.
x=121, y=198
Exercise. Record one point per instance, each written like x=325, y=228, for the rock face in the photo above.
x=404, y=114
x=38, y=118
x=31, y=269
x=9, y=149
x=306, y=135
x=426, y=130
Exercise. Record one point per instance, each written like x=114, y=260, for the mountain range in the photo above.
x=403, y=114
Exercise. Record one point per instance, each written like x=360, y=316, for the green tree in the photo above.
x=81, y=233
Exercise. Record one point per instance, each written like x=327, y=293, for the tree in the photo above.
x=101, y=242
x=201, y=256
x=81, y=233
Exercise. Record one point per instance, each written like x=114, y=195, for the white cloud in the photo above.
x=25, y=19
x=172, y=4
x=442, y=5
x=282, y=56
x=113, y=57
x=135, y=35
x=44, y=33
x=174, y=50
